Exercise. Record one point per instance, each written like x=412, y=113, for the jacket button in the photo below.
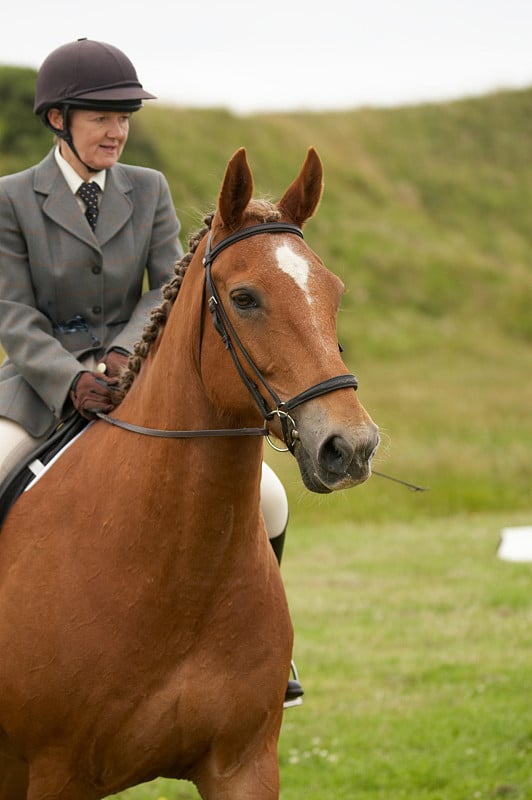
x=96, y=309
x=96, y=270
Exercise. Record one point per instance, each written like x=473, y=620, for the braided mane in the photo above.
x=260, y=211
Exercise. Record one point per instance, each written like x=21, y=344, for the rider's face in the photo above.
x=99, y=138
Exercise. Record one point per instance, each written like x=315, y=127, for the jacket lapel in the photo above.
x=61, y=206
x=116, y=207
x=59, y=203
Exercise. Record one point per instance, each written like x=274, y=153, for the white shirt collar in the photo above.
x=71, y=176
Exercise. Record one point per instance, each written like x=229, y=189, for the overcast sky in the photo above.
x=285, y=55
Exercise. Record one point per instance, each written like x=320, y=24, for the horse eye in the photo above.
x=244, y=300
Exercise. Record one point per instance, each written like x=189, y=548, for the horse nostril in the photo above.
x=339, y=457
x=336, y=454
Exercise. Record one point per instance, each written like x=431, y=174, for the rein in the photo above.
x=238, y=352
x=164, y=434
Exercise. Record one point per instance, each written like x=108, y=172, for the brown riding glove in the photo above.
x=114, y=362
x=91, y=392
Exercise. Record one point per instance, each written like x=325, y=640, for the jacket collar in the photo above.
x=73, y=179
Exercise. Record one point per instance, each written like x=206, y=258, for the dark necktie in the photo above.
x=89, y=194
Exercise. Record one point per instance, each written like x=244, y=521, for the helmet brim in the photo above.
x=115, y=93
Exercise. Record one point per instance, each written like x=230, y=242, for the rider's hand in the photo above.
x=114, y=362
x=91, y=392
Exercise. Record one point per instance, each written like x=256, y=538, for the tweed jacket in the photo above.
x=66, y=292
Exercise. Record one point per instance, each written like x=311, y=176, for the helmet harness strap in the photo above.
x=65, y=134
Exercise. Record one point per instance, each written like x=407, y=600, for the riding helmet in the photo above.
x=90, y=75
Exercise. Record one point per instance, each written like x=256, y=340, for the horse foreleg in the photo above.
x=13, y=772
x=254, y=780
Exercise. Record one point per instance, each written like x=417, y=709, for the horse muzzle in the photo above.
x=338, y=460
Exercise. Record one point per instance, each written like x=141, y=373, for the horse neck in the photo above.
x=169, y=394
x=197, y=497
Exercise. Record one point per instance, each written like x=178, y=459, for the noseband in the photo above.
x=274, y=407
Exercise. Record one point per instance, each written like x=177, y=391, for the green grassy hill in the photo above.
x=426, y=217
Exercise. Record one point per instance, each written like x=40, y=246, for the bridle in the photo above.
x=274, y=406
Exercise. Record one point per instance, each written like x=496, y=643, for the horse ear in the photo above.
x=236, y=191
x=302, y=197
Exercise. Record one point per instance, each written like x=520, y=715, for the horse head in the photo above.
x=275, y=305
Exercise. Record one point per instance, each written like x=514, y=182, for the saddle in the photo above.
x=26, y=470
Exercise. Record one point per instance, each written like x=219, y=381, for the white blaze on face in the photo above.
x=294, y=265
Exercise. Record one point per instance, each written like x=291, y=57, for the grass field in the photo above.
x=413, y=643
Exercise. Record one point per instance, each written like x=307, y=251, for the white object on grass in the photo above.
x=516, y=544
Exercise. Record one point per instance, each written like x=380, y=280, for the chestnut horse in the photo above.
x=144, y=629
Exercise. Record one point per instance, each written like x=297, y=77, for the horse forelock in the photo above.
x=257, y=212
x=263, y=211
